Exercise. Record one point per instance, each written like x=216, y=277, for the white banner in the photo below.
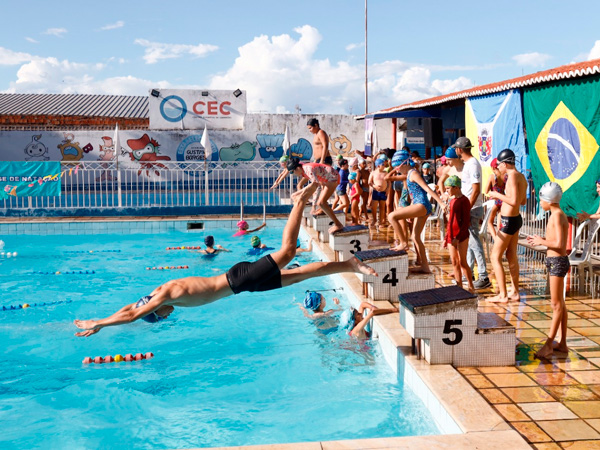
x=186, y=109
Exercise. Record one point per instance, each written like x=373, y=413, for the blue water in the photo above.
x=248, y=369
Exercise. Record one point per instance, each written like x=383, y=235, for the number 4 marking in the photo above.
x=393, y=279
x=450, y=328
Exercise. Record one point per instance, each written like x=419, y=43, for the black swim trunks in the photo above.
x=258, y=276
x=558, y=266
x=511, y=224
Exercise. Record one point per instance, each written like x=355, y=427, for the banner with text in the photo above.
x=186, y=109
x=29, y=179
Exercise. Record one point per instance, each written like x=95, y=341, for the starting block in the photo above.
x=346, y=242
x=449, y=330
x=322, y=222
x=306, y=216
x=394, y=278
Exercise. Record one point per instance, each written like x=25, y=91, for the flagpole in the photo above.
x=118, y=150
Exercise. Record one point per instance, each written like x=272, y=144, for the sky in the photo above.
x=306, y=57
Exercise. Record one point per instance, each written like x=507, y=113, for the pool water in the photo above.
x=248, y=369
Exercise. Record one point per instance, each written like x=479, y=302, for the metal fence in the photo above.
x=162, y=184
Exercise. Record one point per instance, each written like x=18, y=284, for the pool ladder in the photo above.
x=264, y=211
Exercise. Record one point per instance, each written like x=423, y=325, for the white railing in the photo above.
x=161, y=184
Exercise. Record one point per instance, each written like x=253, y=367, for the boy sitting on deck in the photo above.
x=557, y=264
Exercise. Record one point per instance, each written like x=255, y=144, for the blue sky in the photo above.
x=285, y=53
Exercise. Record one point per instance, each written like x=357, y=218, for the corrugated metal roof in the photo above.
x=575, y=70
x=122, y=106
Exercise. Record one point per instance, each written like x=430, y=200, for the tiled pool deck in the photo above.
x=550, y=404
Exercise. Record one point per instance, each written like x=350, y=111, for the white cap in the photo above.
x=551, y=192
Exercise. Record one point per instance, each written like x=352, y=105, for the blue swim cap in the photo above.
x=352, y=176
x=383, y=156
x=209, y=241
x=152, y=317
x=451, y=153
x=312, y=300
x=378, y=162
x=400, y=157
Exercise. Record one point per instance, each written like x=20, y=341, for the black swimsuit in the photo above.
x=258, y=276
x=511, y=224
x=558, y=266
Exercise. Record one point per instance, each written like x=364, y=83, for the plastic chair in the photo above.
x=582, y=258
x=483, y=234
x=437, y=215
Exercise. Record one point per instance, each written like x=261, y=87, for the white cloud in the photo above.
x=351, y=47
x=534, y=59
x=10, y=58
x=33, y=41
x=156, y=51
x=113, y=26
x=56, y=31
x=594, y=52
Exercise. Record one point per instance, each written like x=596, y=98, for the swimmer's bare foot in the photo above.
x=400, y=247
x=318, y=212
x=514, y=297
x=545, y=352
x=334, y=228
x=361, y=267
x=497, y=299
x=560, y=347
x=419, y=270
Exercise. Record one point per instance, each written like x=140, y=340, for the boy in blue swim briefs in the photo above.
x=266, y=274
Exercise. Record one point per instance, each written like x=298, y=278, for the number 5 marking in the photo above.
x=449, y=328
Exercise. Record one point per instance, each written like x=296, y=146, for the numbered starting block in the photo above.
x=394, y=278
x=447, y=329
x=346, y=242
x=306, y=216
x=322, y=222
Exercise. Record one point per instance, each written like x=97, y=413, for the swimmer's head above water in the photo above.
x=313, y=301
x=243, y=225
x=209, y=241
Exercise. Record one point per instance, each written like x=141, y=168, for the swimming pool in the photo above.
x=249, y=369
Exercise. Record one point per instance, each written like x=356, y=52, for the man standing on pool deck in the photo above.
x=320, y=143
x=266, y=274
x=515, y=195
x=471, y=188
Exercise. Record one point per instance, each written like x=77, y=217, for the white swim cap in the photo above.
x=551, y=192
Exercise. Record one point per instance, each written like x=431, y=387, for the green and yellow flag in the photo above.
x=563, y=132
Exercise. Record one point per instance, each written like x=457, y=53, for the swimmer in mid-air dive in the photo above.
x=266, y=274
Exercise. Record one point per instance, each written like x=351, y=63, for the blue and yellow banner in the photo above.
x=563, y=130
x=29, y=179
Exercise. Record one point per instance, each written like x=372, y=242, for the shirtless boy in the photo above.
x=266, y=274
x=378, y=185
x=320, y=143
x=515, y=195
x=364, y=174
x=557, y=264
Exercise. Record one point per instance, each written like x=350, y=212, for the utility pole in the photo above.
x=366, y=66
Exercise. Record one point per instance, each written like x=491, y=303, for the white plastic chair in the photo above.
x=582, y=258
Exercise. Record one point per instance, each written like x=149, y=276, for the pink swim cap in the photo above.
x=242, y=225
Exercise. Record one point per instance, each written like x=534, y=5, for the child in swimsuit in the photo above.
x=378, y=186
x=211, y=248
x=243, y=228
x=363, y=176
x=557, y=263
x=495, y=183
x=355, y=196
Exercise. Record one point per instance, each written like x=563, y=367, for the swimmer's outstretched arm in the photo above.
x=222, y=248
x=127, y=314
x=259, y=228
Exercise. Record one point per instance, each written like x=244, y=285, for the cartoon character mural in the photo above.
x=270, y=146
x=246, y=151
x=70, y=151
x=36, y=150
x=301, y=149
x=145, y=151
x=341, y=146
x=107, y=153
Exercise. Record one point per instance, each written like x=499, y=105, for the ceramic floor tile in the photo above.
x=535, y=366
x=499, y=369
x=529, y=333
x=595, y=361
x=595, y=423
x=581, y=445
x=540, y=324
x=585, y=409
x=553, y=378
x=511, y=379
x=547, y=411
x=574, y=364
x=595, y=389
x=565, y=393
x=580, y=323
x=547, y=446
x=531, y=431
x=479, y=381
x=589, y=314
x=527, y=394
x=586, y=331
x=586, y=376
x=512, y=413
x=494, y=396
x=568, y=430
x=468, y=370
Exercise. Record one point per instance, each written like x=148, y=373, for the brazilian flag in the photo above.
x=562, y=120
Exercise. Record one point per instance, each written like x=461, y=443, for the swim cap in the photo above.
x=339, y=156
x=506, y=156
x=426, y=166
x=209, y=241
x=353, y=162
x=352, y=176
x=242, y=225
x=292, y=164
x=453, y=181
x=312, y=300
x=462, y=142
x=400, y=157
x=284, y=158
x=597, y=182
x=152, y=317
x=451, y=153
x=378, y=162
x=383, y=157
x=551, y=192
x=443, y=160
x=361, y=160
x=255, y=241
x=494, y=163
